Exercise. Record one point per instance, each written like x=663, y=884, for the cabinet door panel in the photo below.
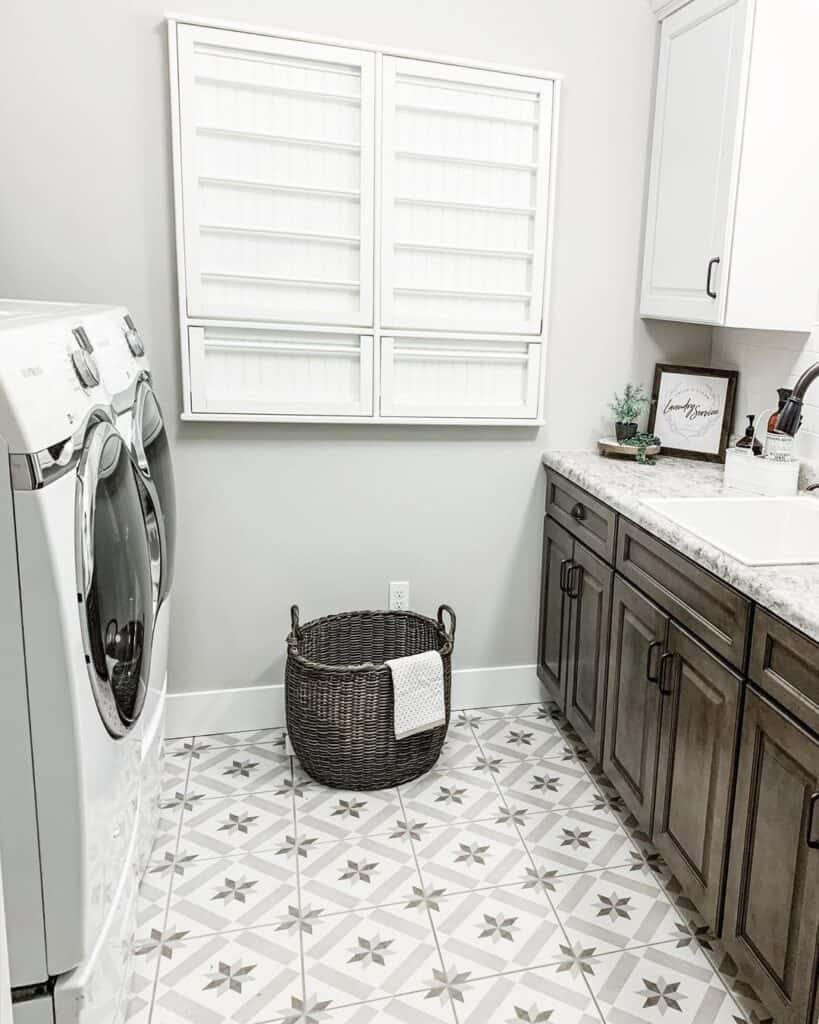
x=558, y=548
x=697, y=744
x=772, y=907
x=638, y=633
x=693, y=170
x=587, y=665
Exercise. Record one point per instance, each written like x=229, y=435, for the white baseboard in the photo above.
x=262, y=707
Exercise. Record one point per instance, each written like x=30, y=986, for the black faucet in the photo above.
x=789, y=419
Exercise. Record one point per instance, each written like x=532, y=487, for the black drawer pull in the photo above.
x=653, y=677
x=812, y=843
x=579, y=512
x=711, y=264
x=574, y=584
x=564, y=565
x=666, y=662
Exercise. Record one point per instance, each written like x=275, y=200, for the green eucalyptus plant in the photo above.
x=631, y=405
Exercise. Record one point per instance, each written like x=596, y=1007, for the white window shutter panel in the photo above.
x=277, y=178
x=465, y=158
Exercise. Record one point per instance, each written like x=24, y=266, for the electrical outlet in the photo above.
x=399, y=596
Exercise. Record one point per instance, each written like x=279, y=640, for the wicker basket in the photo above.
x=339, y=696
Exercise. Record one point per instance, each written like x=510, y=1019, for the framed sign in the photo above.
x=691, y=410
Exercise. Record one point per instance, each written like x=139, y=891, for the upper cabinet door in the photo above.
x=695, y=155
x=465, y=196
x=277, y=170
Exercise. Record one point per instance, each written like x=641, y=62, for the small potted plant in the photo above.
x=628, y=409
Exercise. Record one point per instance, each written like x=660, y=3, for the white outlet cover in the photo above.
x=399, y=595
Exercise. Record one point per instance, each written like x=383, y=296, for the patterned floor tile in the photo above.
x=243, y=891
x=408, y=1009
x=460, y=748
x=234, y=978
x=167, y=829
x=457, y=794
x=493, y=930
x=370, y=954
x=615, y=910
x=532, y=997
x=518, y=739
x=174, y=776
x=477, y=855
x=143, y=976
x=357, y=873
x=644, y=985
x=178, y=748
x=336, y=814
x=242, y=739
x=227, y=771
x=543, y=785
x=214, y=828
x=540, y=710
x=152, y=901
x=579, y=839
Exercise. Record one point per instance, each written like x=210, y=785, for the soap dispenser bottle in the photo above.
x=748, y=441
x=778, y=446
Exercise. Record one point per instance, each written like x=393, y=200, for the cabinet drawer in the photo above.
x=588, y=519
x=785, y=664
x=714, y=612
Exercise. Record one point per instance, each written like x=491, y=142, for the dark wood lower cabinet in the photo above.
x=587, y=664
x=772, y=905
x=638, y=635
x=698, y=737
x=558, y=548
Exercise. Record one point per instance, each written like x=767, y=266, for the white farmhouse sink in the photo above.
x=756, y=531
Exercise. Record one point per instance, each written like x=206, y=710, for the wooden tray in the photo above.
x=611, y=446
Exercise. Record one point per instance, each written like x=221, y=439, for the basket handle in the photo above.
x=294, y=621
x=449, y=633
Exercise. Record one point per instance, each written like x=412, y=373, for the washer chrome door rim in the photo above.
x=153, y=484
x=117, y=655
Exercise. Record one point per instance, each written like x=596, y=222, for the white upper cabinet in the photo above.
x=277, y=178
x=733, y=212
x=361, y=236
x=465, y=191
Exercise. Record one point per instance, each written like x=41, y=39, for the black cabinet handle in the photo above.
x=579, y=512
x=655, y=645
x=563, y=567
x=812, y=843
x=711, y=264
x=574, y=584
x=666, y=661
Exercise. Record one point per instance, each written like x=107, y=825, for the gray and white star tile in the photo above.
x=369, y=954
x=460, y=748
x=445, y=797
x=520, y=739
x=240, y=891
x=578, y=839
x=660, y=983
x=543, y=785
x=332, y=814
x=227, y=771
x=545, y=995
x=230, y=978
x=216, y=828
x=472, y=855
x=494, y=930
x=358, y=873
x=615, y=910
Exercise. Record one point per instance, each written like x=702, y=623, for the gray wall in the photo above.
x=327, y=515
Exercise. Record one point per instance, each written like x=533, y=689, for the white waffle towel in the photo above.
x=418, y=687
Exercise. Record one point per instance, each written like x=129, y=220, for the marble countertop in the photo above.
x=789, y=591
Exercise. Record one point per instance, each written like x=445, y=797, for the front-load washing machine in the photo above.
x=110, y=334
x=77, y=607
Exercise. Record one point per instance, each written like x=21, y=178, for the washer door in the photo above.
x=114, y=578
x=152, y=452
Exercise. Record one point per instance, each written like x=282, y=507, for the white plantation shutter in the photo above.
x=290, y=156
x=465, y=158
x=277, y=178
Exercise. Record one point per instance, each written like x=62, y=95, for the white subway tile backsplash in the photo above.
x=768, y=360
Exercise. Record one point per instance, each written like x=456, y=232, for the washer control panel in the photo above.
x=85, y=367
